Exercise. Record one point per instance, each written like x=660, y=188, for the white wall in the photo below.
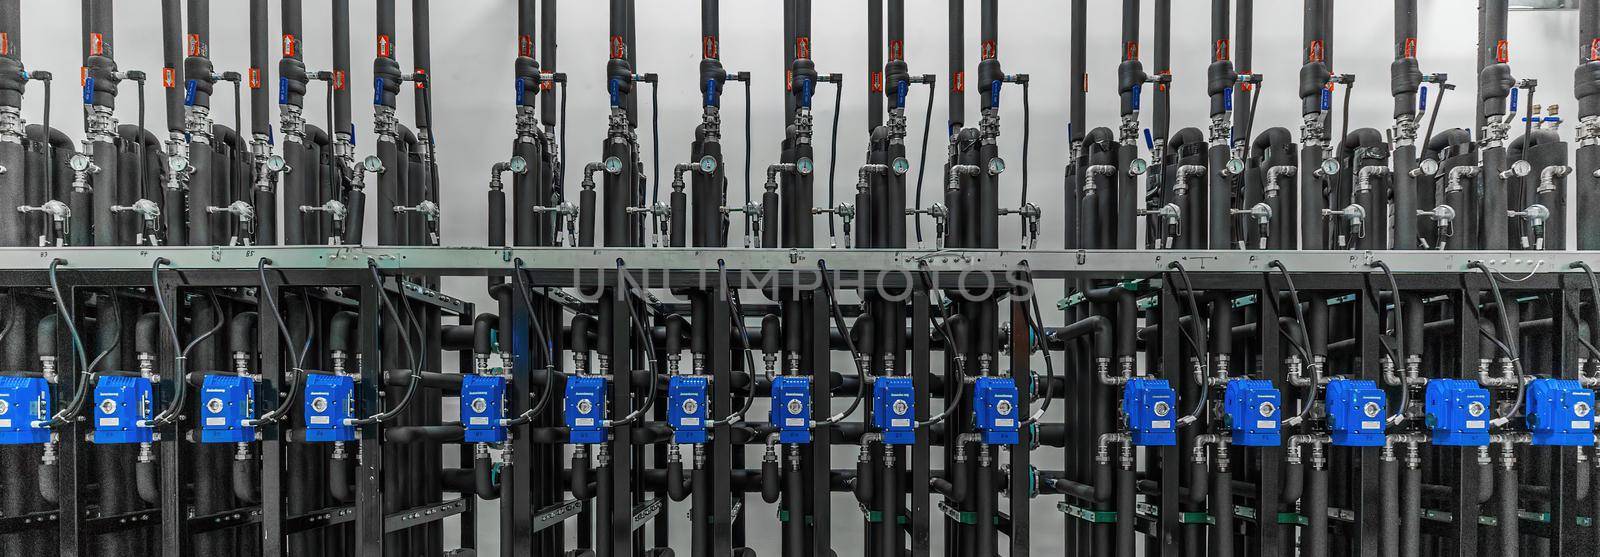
x=475, y=41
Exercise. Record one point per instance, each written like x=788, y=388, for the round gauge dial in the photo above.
x=900, y=408
x=1138, y=166
x=1429, y=167
x=900, y=166
x=613, y=165
x=1329, y=167
x=584, y=406
x=108, y=406
x=178, y=163
x=1003, y=408
x=795, y=407
x=1521, y=168
x=79, y=162
x=1581, y=409
x=479, y=405
x=518, y=164
x=276, y=163
x=708, y=164
x=319, y=404
x=1476, y=409
x=373, y=164
x=996, y=166
x=804, y=166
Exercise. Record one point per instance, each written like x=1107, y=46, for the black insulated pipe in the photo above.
x=1405, y=79
x=13, y=82
x=1586, y=87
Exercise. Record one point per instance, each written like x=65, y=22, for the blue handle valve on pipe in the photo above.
x=1136, y=94
x=712, y=95
x=1422, y=99
x=614, y=87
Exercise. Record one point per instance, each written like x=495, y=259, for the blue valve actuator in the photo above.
x=283, y=90
x=1150, y=406
x=687, y=402
x=791, y=409
x=1560, y=412
x=483, y=408
x=1457, y=410
x=996, y=402
x=894, y=405
x=1356, y=412
x=25, y=408
x=227, y=403
x=585, y=409
x=330, y=404
x=122, y=410
x=1254, y=408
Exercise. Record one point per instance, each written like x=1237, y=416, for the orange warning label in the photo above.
x=1220, y=51
x=897, y=50
x=708, y=46
x=97, y=44
x=1502, y=51
x=958, y=84
x=338, y=80
x=5, y=44
x=525, y=46
x=1594, y=50
x=422, y=83
x=291, y=45
x=1130, y=50
x=1314, y=51
x=196, y=48
x=802, y=47
x=619, y=48
x=255, y=78
x=876, y=82
x=385, y=46
x=1410, y=48
x=987, y=50
x=169, y=78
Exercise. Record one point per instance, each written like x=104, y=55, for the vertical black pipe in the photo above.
x=1314, y=75
x=1220, y=81
x=1586, y=87
x=875, y=83
x=1405, y=78
x=958, y=66
x=1078, y=76
x=1494, y=84
x=13, y=229
x=386, y=70
x=298, y=228
x=1244, y=44
x=342, y=127
x=260, y=94
x=547, y=58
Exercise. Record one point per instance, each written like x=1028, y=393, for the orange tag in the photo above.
x=194, y=45
x=291, y=45
x=619, y=49
x=385, y=46
x=708, y=46
x=1410, y=49
x=876, y=82
x=97, y=44
x=958, y=84
x=802, y=47
x=1130, y=50
x=897, y=50
x=5, y=44
x=1314, y=51
x=169, y=78
x=255, y=78
x=1221, y=52
x=987, y=49
x=788, y=80
x=548, y=83
x=1502, y=51
x=338, y=80
x=525, y=46
x=1594, y=50
x=422, y=83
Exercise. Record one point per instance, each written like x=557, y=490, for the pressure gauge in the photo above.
x=708, y=164
x=1329, y=167
x=518, y=165
x=373, y=164
x=178, y=163
x=275, y=163
x=79, y=162
x=1137, y=167
x=996, y=166
x=613, y=165
x=1234, y=167
x=900, y=166
x=1428, y=167
x=804, y=166
x=1521, y=168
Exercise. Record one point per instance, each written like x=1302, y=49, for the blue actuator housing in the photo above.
x=227, y=401
x=1356, y=412
x=1457, y=412
x=791, y=408
x=1560, y=412
x=122, y=410
x=995, y=404
x=1253, y=407
x=894, y=404
x=329, y=405
x=483, y=407
x=585, y=409
x=687, y=403
x=25, y=408
x=1149, y=405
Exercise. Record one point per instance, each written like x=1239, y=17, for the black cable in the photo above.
x=1438, y=104
x=1200, y=353
x=405, y=342
x=85, y=376
x=11, y=319
x=1026, y=125
x=1506, y=344
x=1300, y=317
x=283, y=329
x=561, y=138
x=1250, y=121
x=1400, y=342
x=943, y=326
x=922, y=160
x=744, y=336
x=855, y=357
x=650, y=350
x=1035, y=320
x=116, y=339
x=180, y=383
x=1594, y=295
x=655, y=148
x=144, y=193
x=544, y=341
x=1345, y=115
x=833, y=153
